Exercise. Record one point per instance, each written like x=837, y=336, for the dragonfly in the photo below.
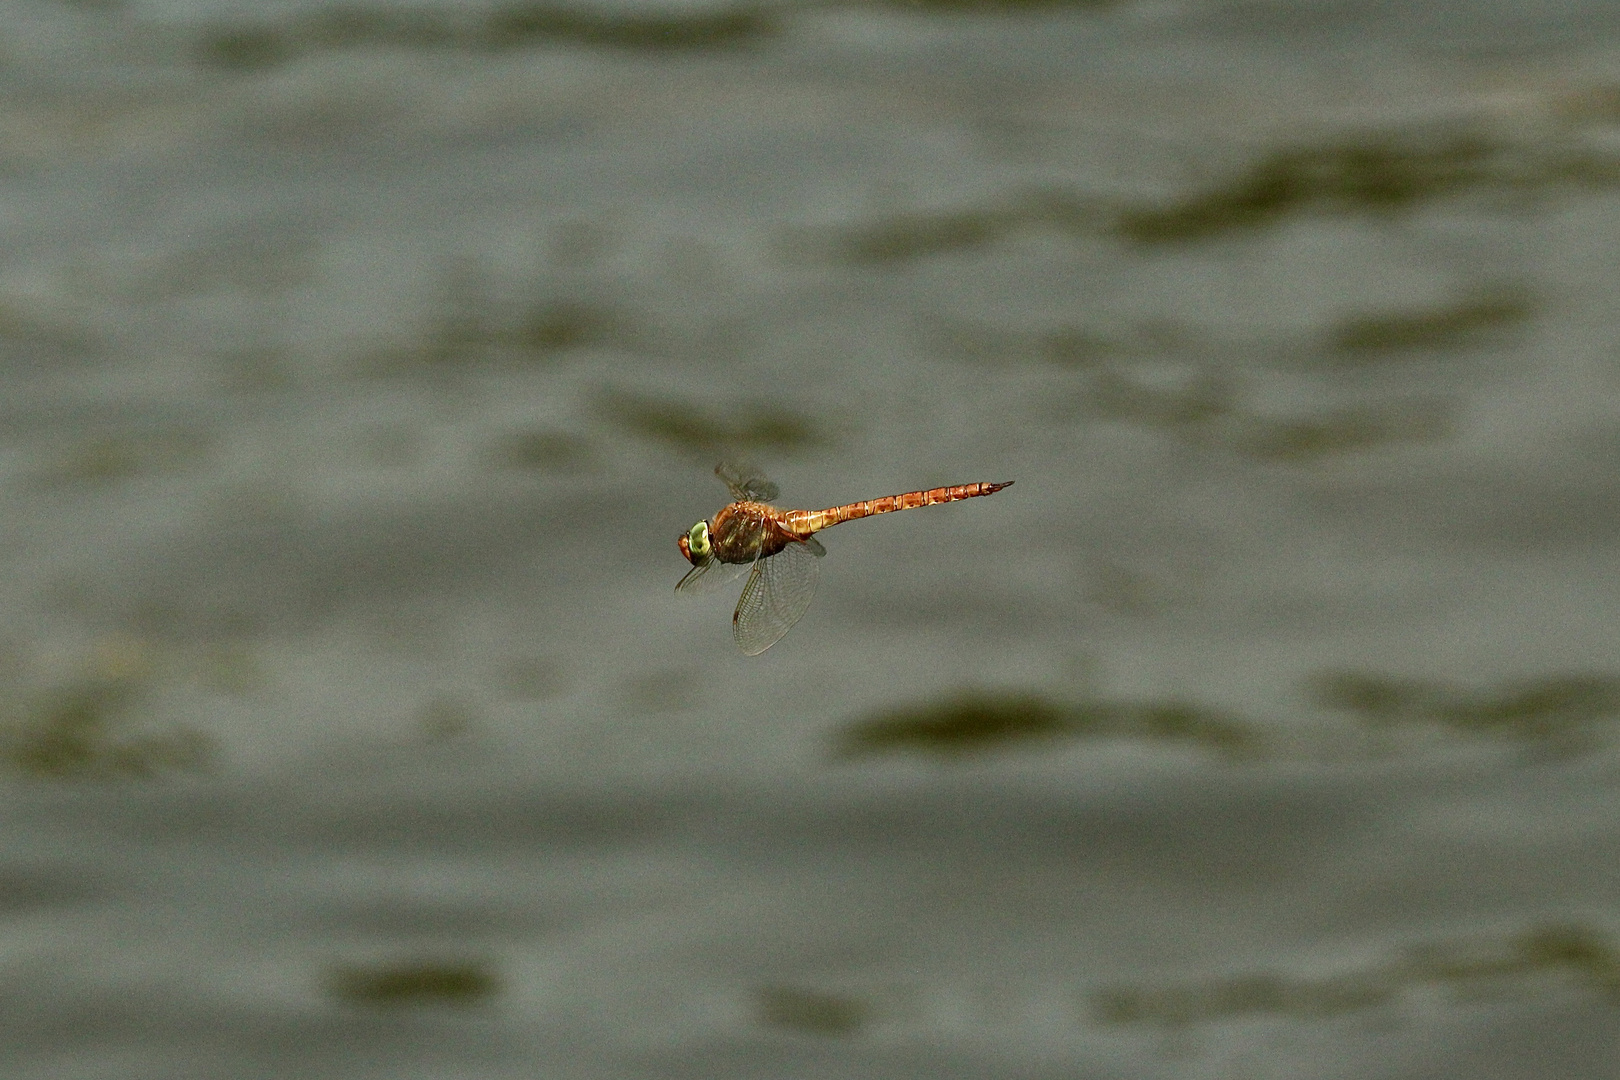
x=778, y=549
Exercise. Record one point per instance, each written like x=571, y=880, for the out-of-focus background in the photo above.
x=360, y=364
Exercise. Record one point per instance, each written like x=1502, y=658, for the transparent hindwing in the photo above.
x=778, y=592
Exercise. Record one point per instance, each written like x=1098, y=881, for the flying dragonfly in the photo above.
x=778, y=549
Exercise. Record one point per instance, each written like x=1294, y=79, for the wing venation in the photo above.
x=778, y=592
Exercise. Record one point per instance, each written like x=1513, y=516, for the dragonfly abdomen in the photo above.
x=804, y=522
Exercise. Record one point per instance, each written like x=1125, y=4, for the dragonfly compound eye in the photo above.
x=697, y=538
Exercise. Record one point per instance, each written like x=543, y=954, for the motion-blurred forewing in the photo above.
x=746, y=482
x=710, y=575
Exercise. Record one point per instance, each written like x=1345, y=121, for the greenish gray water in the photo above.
x=361, y=366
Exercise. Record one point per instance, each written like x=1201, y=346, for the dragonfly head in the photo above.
x=694, y=543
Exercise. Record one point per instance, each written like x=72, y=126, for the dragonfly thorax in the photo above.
x=746, y=531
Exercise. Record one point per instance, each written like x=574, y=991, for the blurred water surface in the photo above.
x=362, y=363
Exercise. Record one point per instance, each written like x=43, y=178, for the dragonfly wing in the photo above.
x=746, y=482
x=709, y=575
x=776, y=596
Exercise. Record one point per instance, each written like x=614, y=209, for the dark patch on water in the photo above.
x=246, y=47
x=969, y=723
x=1206, y=406
x=1574, y=950
x=1378, y=173
x=559, y=325
x=80, y=732
x=685, y=427
x=1450, y=326
x=104, y=460
x=421, y=982
x=1078, y=347
x=474, y=327
x=991, y=7
x=38, y=335
x=1239, y=995
x=531, y=678
x=1193, y=404
x=444, y=718
x=24, y=889
x=664, y=692
x=230, y=668
x=695, y=29
x=1340, y=431
x=904, y=237
x=1098, y=351
x=542, y=451
x=1363, y=172
x=1578, y=950
x=1553, y=711
x=976, y=723
x=812, y=1012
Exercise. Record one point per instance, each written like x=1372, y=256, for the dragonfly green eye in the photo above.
x=697, y=538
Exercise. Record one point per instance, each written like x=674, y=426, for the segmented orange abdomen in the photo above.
x=805, y=522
